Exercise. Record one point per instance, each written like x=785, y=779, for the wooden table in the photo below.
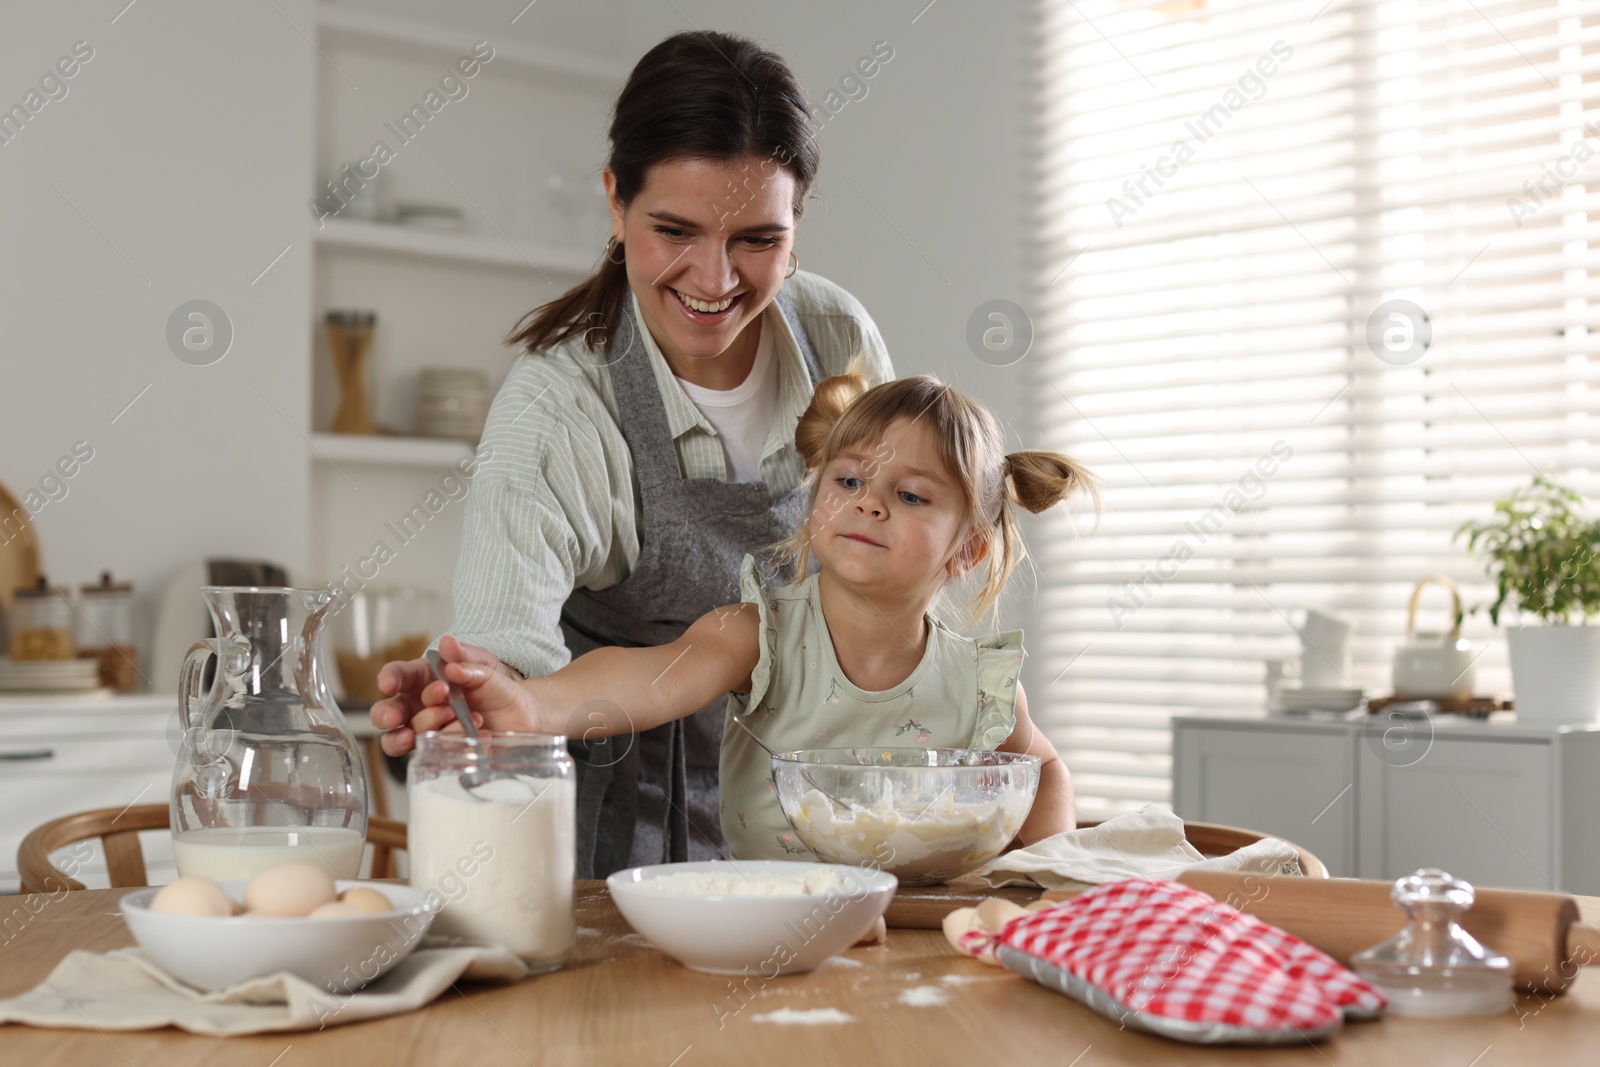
x=622, y=1002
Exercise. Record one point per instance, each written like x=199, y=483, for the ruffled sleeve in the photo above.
x=752, y=592
x=999, y=664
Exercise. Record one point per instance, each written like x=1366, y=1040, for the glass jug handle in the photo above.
x=194, y=664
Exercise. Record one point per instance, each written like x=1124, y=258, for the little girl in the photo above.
x=911, y=489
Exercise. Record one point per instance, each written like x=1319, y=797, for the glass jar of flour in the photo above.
x=493, y=833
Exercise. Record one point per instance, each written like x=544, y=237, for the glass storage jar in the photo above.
x=492, y=832
x=41, y=624
x=105, y=632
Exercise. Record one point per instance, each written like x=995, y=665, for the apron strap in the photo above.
x=802, y=340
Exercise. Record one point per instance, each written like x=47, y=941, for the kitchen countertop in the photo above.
x=621, y=1002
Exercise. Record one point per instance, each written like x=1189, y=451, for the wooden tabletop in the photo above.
x=621, y=1002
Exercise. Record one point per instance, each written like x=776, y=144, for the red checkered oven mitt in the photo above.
x=1162, y=957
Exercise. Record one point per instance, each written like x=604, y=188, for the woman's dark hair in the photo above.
x=696, y=95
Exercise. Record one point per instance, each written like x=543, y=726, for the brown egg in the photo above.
x=289, y=889
x=368, y=900
x=192, y=896
x=337, y=909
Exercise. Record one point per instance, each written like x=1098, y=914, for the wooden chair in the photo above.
x=1215, y=839
x=118, y=831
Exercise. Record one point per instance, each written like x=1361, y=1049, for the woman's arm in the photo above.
x=1054, y=806
x=550, y=510
x=610, y=690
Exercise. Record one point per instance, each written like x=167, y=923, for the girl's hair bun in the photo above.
x=833, y=396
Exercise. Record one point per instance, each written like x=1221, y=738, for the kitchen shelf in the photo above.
x=389, y=451
x=486, y=249
x=397, y=35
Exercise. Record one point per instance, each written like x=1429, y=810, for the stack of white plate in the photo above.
x=49, y=675
x=1298, y=700
x=452, y=403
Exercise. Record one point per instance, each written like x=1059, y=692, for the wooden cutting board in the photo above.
x=19, y=551
x=924, y=907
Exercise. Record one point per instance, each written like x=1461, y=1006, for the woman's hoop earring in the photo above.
x=794, y=265
x=614, y=244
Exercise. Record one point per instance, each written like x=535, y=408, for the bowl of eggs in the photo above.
x=293, y=917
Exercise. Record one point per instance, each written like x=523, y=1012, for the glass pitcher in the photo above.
x=267, y=770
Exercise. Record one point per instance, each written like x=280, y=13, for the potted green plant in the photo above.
x=1543, y=553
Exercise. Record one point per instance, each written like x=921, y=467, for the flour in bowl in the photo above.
x=816, y=882
x=917, y=839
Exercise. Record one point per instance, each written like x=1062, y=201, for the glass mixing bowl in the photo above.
x=924, y=815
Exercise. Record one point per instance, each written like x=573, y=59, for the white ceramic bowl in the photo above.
x=340, y=955
x=759, y=935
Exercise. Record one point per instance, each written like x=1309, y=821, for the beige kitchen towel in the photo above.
x=1147, y=843
x=126, y=990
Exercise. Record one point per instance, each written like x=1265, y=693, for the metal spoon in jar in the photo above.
x=470, y=780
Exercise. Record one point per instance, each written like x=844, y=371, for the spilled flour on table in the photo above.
x=963, y=979
x=842, y=961
x=805, y=1017
x=924, y=996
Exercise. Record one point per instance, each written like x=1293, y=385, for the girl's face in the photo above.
x=707, y=245
x=890, y=517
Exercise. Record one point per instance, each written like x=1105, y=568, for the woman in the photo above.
x=646, y=442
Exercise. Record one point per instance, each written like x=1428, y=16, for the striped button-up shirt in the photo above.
x=554, y=506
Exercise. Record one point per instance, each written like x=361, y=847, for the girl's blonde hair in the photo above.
x=844, y=412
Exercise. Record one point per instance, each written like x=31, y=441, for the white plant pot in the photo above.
x=1555, y=673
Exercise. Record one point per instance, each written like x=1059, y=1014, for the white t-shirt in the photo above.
x=743, y=415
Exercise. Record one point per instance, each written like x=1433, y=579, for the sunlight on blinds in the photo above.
x=1315, y=284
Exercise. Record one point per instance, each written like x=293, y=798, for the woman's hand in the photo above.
x=419, y=702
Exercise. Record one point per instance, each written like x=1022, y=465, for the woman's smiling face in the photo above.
x=707, y=245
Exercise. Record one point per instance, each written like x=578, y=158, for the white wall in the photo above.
x=189, y=142
x=175, y=168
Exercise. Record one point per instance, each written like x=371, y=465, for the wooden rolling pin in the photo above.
x=1540, y=932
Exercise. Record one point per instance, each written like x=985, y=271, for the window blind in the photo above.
x=1230, y=196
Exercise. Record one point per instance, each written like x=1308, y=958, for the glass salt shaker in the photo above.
x=105, y=632
x=493, y=832
x=1433, y=967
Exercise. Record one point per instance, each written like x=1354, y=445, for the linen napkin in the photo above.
x=1147, y=843
x=126, y=990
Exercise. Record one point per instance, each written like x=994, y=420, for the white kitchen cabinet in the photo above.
x=62, y=755
x=1492, y=802
x=1291, y=783
x=1481, y=809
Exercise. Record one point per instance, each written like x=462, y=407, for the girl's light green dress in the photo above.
x=961, y=695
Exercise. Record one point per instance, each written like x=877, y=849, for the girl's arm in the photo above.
x=610, y=690
x=1054, y=809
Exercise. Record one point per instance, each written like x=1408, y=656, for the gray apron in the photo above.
x=652, y=797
